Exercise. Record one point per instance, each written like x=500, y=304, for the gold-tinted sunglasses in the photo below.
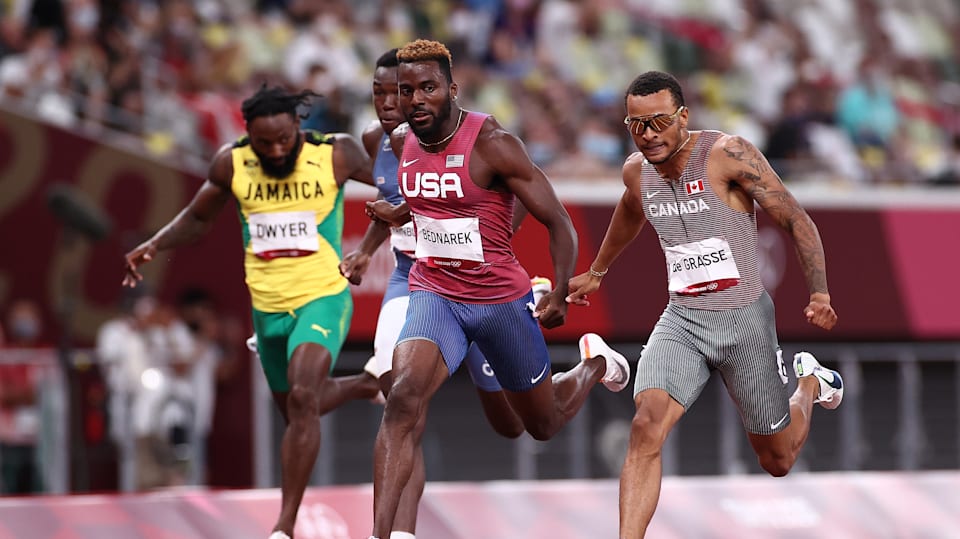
x=657, y=122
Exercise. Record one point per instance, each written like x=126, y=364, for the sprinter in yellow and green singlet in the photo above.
x=287, y=184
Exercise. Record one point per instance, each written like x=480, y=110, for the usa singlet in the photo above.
x=463, y=231
x=292, y=227
x=710, y=248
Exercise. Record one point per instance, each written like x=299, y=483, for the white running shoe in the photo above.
x=279, y=535
x=618, y=370
x=541, y=286
x=371, y=367
x=831, y=384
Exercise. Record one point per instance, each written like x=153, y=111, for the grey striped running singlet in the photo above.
x=688, y=210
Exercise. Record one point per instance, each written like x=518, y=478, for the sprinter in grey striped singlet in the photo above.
x=688, y=210
x=699, y=189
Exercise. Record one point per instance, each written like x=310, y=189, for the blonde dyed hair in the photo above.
x=425, y=50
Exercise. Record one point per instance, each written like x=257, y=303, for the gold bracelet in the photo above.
x=598, y=274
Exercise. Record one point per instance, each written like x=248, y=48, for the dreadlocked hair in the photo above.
x=275, y=100
x=424, y=50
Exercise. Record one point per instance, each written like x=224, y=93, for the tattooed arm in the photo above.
x=751, y=178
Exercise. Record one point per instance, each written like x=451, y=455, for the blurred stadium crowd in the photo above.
x=834, y=91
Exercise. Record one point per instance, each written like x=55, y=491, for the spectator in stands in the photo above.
x=219, y=340
x=115, y=61
x=950, y=174
x=867, y=112
x=788, y=146
x=146, y=353
x=19, y=414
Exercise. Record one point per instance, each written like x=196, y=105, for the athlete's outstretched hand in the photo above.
x=393, y=215
x=354, y=266
x=580, y=286
x=140, y=255
x=819, y=312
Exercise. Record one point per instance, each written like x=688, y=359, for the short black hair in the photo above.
x=270, y=101
x=388, y=59
x=652, y=82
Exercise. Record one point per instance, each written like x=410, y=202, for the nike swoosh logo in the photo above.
x=537, y=378
x=408, y=163
x=621, y=373
x=834, y=383
x=778, y=423
x=651, y=195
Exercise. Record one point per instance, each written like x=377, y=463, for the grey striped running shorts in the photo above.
x=688, y=344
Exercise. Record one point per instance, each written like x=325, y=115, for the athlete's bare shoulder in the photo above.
x=633, y=173
x=350, y=159
x=501, y=151
x=634, y=163
x=343, y=143
x=371, y=138
x=736, y=159
x=339, y=137
x=491, y=132
x=221, y=165
x=397, y=136
x=373, y=128
x=495, y=143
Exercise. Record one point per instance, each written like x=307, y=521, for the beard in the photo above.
x=432, y=131
x=285, y=168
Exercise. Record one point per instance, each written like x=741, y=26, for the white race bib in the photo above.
x=449, y=243
x=283, y=234
x=701, y=267
x=404, y=238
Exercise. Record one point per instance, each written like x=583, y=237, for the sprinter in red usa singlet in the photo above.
x=460, y=173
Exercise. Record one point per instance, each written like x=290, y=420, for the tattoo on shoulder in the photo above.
x=753, y=165
x=748, y=154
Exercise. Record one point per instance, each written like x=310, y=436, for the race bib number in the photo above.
x=449, y=243
x=404, y=238
x=701, y=267
x=283, y=234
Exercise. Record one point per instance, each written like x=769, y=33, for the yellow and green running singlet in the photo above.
x=292, y=227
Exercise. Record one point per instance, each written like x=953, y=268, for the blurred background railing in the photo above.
x=901, y=412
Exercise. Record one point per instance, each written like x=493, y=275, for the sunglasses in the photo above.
x=657, y=122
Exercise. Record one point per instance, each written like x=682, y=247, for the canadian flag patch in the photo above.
x=694, y=187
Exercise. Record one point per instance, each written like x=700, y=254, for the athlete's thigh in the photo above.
x=273, y=331
x=510, y=338
x=431, y=317
x=673, y=359
x=754, y=372
x=324, y=321
x=480, y=370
